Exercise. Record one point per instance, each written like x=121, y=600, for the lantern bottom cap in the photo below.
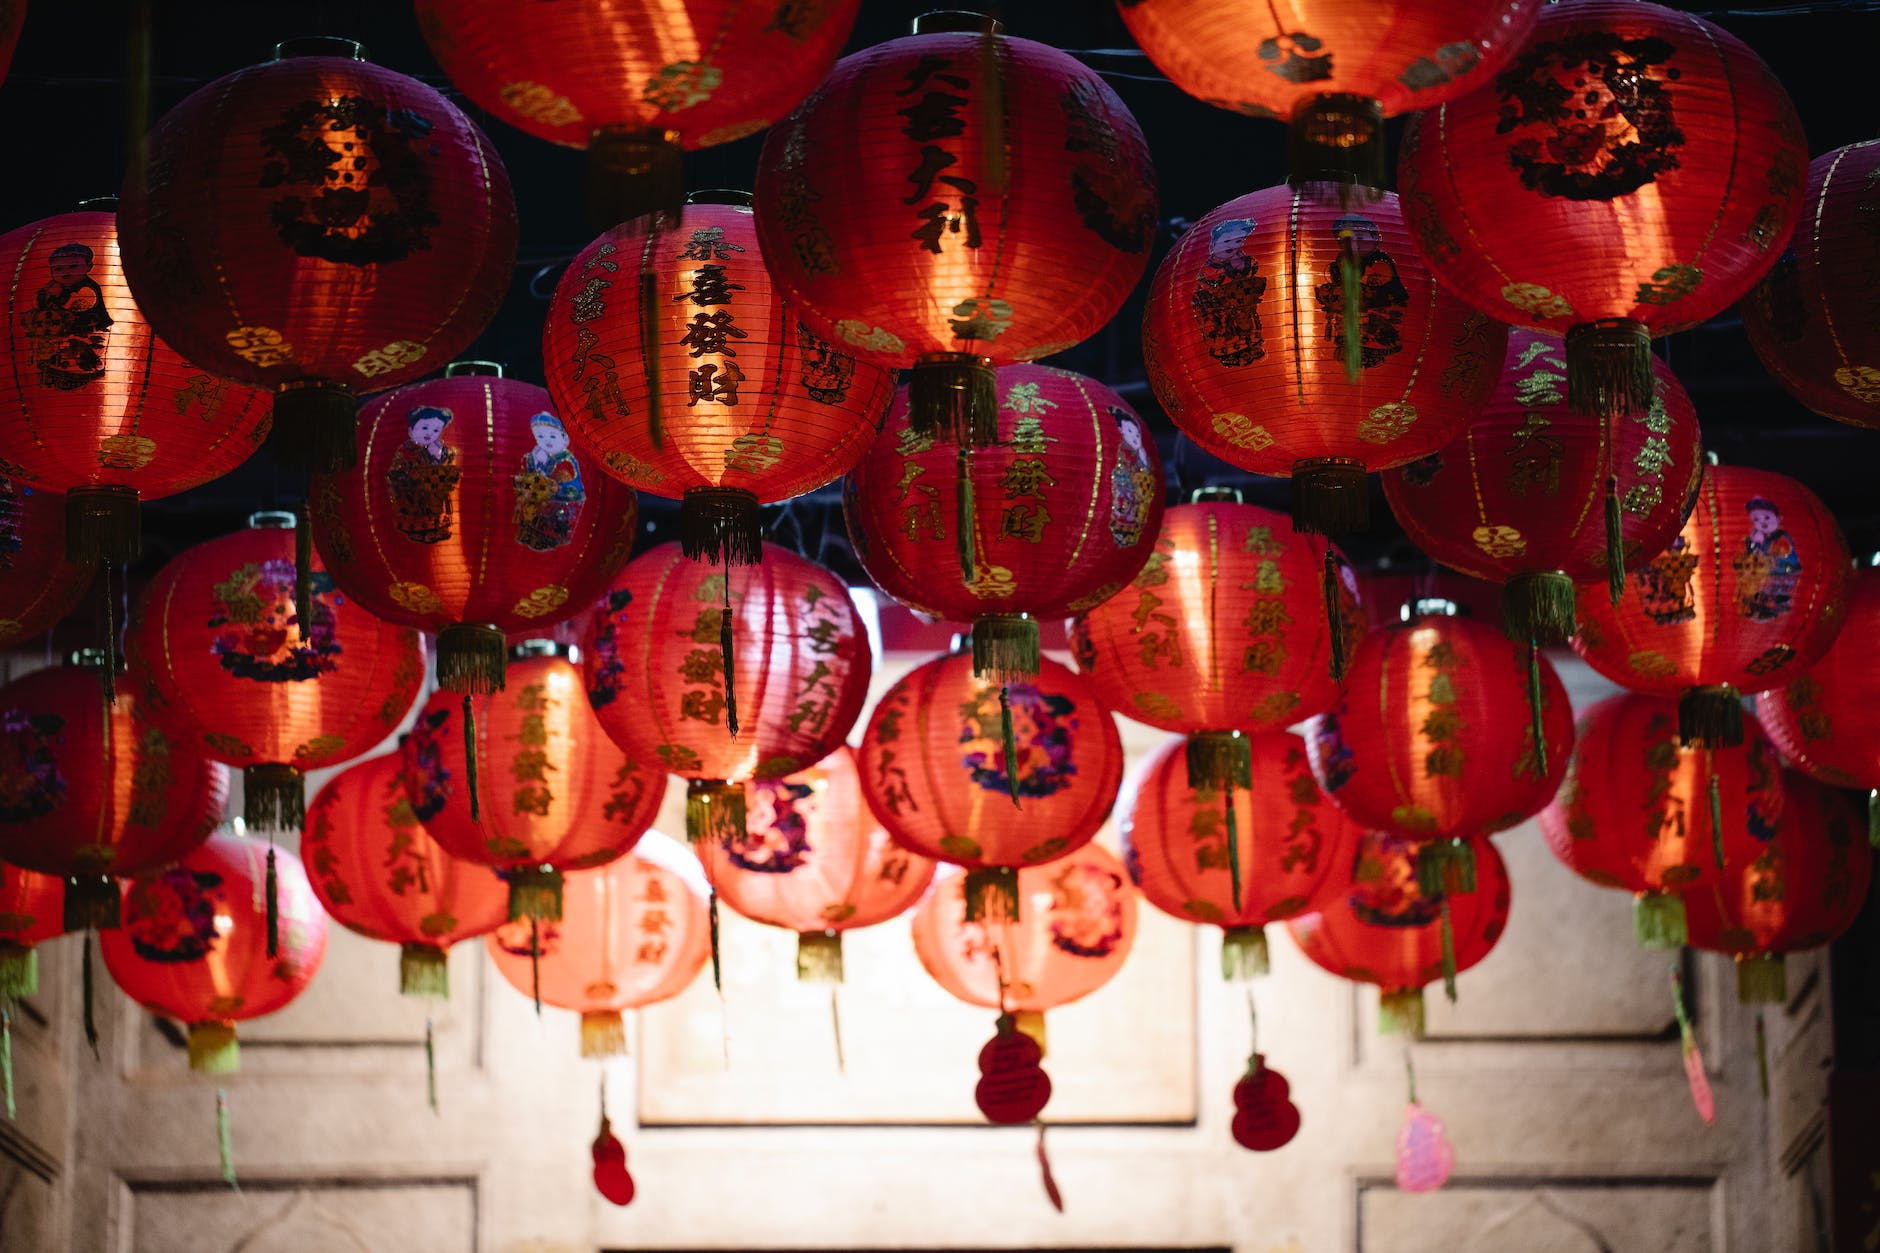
x=1335, y=141
x=1006, y=647
x=213, y=1048
x=424, y=970
x=1244, y=954
x=1538, y=608
x=603, y=1033
x=103, y=523
x=274, y=797
x=1609, y=368
x=633, y=172
x=315, y=425
x=1400, y=1012
x=954, y=396
x=471, y=658
x=721, y=524
x=1330, y=496
x=91, y=903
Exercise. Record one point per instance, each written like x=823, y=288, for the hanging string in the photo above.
x=225, y=1139
x=1449, y=953
x=650, y=314
x=965, y=541
x=85, y=978
x=1253, y=1025
x=1334, y=618
x=1762, y=1056
x=1873, y=818
x=724, y=649
x=274, y=902
x=718, y=980
x=535, y=964
x=1410, y=1072
x=470, y=756
x=108, y=675
x=1615, y=544
x=1536, y=723
x=835, y=1027
x=1716, y=816
x=430, y=1065
x=1044, y=1173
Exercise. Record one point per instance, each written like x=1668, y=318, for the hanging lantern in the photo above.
x=1538, y=498
x=1639, y=813
x=1632, y=172
x=1827, y=720
x=727, y=675
x=1262, y=853
x=631, y=933
x=992, y=778
x=1387, y=930
x=1357, y=362
x=469, y=515
x=1333, y=72
x=91, y=789
x=38, y=585
x=380, y=874
x=699, y=382
x=1055, y=518
x=544, y=791
x=1748, y=595
x=222, y=657
x=1809, y=319
x=953, y=201
x=1784, y=889
x=813, y=859
x=318, y=225
x=639, y=83
x=32, y=910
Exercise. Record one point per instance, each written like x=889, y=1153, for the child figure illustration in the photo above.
x=1768, y=568
x=69, y=322
x=1131, y=482
x=548, y=488
x=423, y=476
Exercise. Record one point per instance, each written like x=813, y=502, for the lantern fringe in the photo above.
x=1005, y=647
x=1538, y=606
x=954, y=396
x=470, y=755
x=19, y=972
x=1873, y=818
x=1762, y=979
x=632, y=172
x=1244, y=954
x=603, y=1034
x=423, y=970
x=1217, y=758
x=1336, y=139
x=1537, y=723
x=1334, y=617
x=213, y=1048
x=1400, y=1012
x=964, y=533
x=314, y=426
x=91, y=901
x=1330, y=496
x=1716, y=818
x=471, y=658
x=1051, y=1192
x=87, y=988
x=1446, y=866
x=1031, y=1022
x=430, y=1065
x=992, y=894
x=303, y=572
x=1609, y=368
x=1008, y=744
x=718, y=970
x=1658, y=920
x=1351, y=297
x=225, y=1139
x=819, y=956
x=1448, y=930
x=1711, y=717
x=274, y=797
x=721, y=524
x=102, y=524
x=535, y=892
x=714, y=809
x=6, y=1060
x=1615, y=543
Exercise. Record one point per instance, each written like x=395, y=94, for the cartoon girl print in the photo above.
x=549, y=493
x=1769, y=566
x=1132, y=483
x=69, y=323
x=423, y=477
x=1382, y=297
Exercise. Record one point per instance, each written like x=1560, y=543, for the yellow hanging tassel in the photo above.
x=6, y=1060
x=1716, y=818
x=107, y=676
x=718, y=978
x=430, y=1066
x=85, y=978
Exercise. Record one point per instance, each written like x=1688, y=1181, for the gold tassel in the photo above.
x=213, y=1048
x=1400, y=1012
x=535, y=892
x=471, y=658
x=274, y=904
x=1217, y=758
x=1538, y=606
x=991, y=894
x=954, y=396
x=1005, y=647
x=1762, y=979
x=274, y=797
x=631, y=172
x=1615, y=543
x=470, y=758
x=19, y=972
x=6, y=1059
x=315, y=426
x=1658, y=920
x=303, y=572
x=819, y=956
x=430, y=1065
x=963, y=516
x=1537, y=725
x=423, y=970
x=1334, y=617
x=1337, y=138
x=714, y=809
x=1009, y=744
x=1330, y=496
x=1609, y=368
x=1351, y=283
x=603, y=1034
x=1244, y=954
x=102, y=526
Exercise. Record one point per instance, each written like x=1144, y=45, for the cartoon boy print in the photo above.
x=69, y=323
x=1132, y=482
x=1227, y=295
x=1665, y=590
x=549, y=493
x=423, y=476
x=1382, y=298
x=1769, y=567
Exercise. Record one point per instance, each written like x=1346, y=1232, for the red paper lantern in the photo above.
x=1263, y=854
x=1538, y=498
x=1809, y=319
x=1055, y=518
x=956, y=200
x=949, y=780
x=38, y=585
x=1784, y=889
x=814, y=860
x=546, y=790
x=468, y=514
x=680, y=650
x=90, y=789
x=1292, y=336
x=770, y=410
x=631, y=933
x=32, y=910
x=1334, y=71
x=1632, y=172
x=194, y=943
x=1827, y=721
x=95, y=405
x=1638, y=813
x=636, y=82
x=317, y=224
x=380, y=874
x=1385, y=929
x=220, y=657
x=1749, y=594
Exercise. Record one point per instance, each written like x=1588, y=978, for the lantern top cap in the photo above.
x=1429, y=607
x=487, y=369
x=721, y=195
x=1216, y=492
x=957, y=22
x=86, y=658
x=544, y=648
x=272, y=520
x=320, y=46
x=99, y=204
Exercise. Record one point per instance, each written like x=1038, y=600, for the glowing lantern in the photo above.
x=38, y=585
x=1827, y=721
x=32, y=909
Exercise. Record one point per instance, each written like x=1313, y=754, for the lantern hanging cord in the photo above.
x=225, y=1139
x=535, y=963
x=6, y=1060
x=86, y=980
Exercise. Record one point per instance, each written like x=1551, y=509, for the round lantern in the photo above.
x=1748, y=595
x=1632, y=172
x=543, y=791
x=318, y=225
x=1639, y=813
x=1384, y=928
x=94, y=404
x=1827, y=720
x=1237, y=861
x=1290, y=336
x=1333, y=71
x=1057, y=517
x=221, y=657
x=90, y=789
x=700, y=382
x=469, y=515
x=380, y=874
x=993, y=779
x=194, y=946
x=681, y=652
x=1538, y=498
x=956, y=200
x=38, y=585
x=1809, y=320
x=636, y=83
x=1796, y=886
x=631, y=933
x=32, y=909
x=814, y=860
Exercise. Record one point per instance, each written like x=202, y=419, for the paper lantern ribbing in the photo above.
x=1827, y=721
x=956, y=200
x=1385, y=929
x=32, y=910
x=1290, y=336
x=38, y=585
x=317, y=224
x=219, y=657
x=1055, y=518
x=1260, y=855
x=1750, y=593
x=1639, y=813
x=1809, y=319
x=699, y=381
x=1632, y=172
x=1538, y=498
x=636, y=82
x=631, y=933
x=468, y=514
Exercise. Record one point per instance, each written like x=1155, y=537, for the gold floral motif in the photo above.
x=959, y=846
x=627, y=466
x=841, y=911
x=1204, y=911
x=260, y=346
x=1046, y=350
x=1387, y=422
x=752, y=452
x=1669, y=283
x=682, y=85
x=1862, y=382
x=126, y=452
x=1242, y=432
x=1500, y=542
x=543, y=600
x=990, y=581
x=415, y=598
x=225, y=745
x=871, y=338
x=394, y=356
x=1413, y=818
x=777, y=767
x=1537, y=300
x=539, y=103
x=1649, y=663
x=226, y=1006
x=733, y=133
x=1156, y=705
x=981, y=317
x=9, y=627
x=320, y=746
x=1044, y=850
x=1275, y=706
x=1095, y=598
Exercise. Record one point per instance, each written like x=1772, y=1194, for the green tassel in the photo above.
x=725, y=651
x=1615, y=543
x=470, y=757
x=1400, y=1012
x=1351, y=278
x=718, y=978
x=6, y=1061
x=19, y=972
x=423, y=970
x=274, y=904
x=1658, y=920
x=1449, y=954
x=430, y=1066
x=1716, y=818
x=535, y=963
x=1010, y=744
x=303, y=572
x=1762, y=1057
x=85, y=978
x=1762, y=979
x=1537, y=726
x=1244, y=953
x=1873, y=818
x=963, y=516
x=991, y=894
x=225, y=1139
x=1233, y=842
x=954, y=396
x=1446, y=866
x=1334, y=619
x=535, y=892
x=1537, y=607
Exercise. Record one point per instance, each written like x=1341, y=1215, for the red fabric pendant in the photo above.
x=38, y=586
x=1827, y=720
x=1013, y=1088
x=1265, y=1117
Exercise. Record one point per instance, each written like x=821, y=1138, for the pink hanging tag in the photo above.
x=1424, y=1154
